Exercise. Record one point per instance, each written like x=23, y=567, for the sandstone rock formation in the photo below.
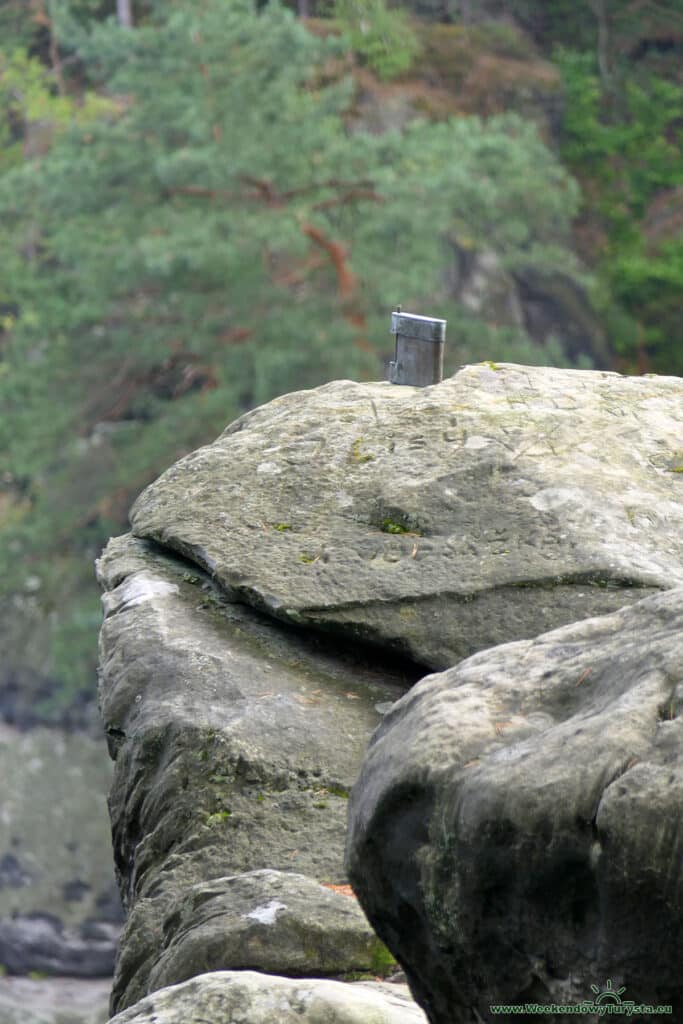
x=286, y=584
x=236, y=741
x=272, y=921
x=227, y=996
x=437, y=521
x=514, y=833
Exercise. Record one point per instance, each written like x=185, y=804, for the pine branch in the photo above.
x=265, y=191
x=346, y=279
x=348, y=197
x=347, y=282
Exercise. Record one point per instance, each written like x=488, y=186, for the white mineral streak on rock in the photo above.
x=135, y=590
x=268, y=468
x=266, y=914
x=477, y=441
x=550, y=498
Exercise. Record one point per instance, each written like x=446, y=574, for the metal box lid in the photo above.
x=422, y=328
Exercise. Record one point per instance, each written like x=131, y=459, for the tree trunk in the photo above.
x=56, y=62
x=303, y=8
x=599, y=8
x=124, y=13
x=42, y=15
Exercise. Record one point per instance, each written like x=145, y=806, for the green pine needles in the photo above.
x=197, y=232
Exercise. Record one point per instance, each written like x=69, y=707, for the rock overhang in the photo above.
x=519, y=497
x=502, y=503
x=233, y=736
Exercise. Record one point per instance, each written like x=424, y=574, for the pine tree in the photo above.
x=211, y=235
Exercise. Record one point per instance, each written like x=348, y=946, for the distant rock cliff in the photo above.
x=59, y=909
x=285, y=586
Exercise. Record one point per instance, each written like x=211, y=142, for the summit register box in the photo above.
x=419, y=349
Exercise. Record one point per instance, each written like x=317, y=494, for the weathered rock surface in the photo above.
x=59, y=909
x=227, y=997
x=501, y=503
x=515, y=830
x=238, y=696
x=266, y=921
x=236, y=742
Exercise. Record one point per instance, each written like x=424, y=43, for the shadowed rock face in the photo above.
x=438, y=521
x=236, y=741
x=514, y=835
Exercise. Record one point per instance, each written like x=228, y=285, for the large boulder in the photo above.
x=272, y=921
x=286, y=584
x=59, y=908
x=226, y=997
x=498, y=504
x=514, y=835
x=236, y=741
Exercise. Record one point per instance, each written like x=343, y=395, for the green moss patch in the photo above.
x=357, y=454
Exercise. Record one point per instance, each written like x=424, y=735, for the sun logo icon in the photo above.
x=608, y=994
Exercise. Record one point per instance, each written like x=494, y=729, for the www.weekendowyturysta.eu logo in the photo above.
x=606, y=1002
x=610, y=996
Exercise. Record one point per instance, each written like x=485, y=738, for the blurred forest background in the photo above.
x=207, y=203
